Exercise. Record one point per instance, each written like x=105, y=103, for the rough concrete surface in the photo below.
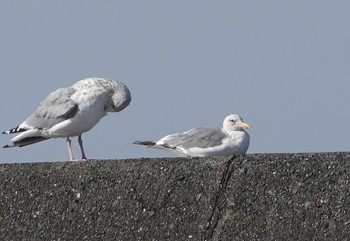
x=253, y=197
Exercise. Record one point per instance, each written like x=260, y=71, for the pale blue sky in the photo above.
x=284, y=66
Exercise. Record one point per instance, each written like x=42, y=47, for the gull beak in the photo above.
x=245, y=125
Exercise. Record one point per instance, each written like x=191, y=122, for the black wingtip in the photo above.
x=7, y=132
x=144, y=143
x=14, y=130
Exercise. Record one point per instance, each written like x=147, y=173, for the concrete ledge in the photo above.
x=255, y=197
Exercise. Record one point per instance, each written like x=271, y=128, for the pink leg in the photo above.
x=68, y=141
x=80, y=141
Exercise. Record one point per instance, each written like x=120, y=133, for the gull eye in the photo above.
x=233, y=121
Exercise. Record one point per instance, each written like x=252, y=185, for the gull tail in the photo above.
x=145, y=143
x=26, y=141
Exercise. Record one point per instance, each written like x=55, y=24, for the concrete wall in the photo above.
x=256, y=197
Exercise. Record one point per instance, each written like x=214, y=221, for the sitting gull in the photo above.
x=71, y=111
x=232, y=139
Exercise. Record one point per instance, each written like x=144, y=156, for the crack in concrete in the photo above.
x=214, y=217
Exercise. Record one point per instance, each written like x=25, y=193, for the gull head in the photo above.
x=120, y=98
x=234, y=122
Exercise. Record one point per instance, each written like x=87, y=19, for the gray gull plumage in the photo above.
x=231, y=139
x=71, y=111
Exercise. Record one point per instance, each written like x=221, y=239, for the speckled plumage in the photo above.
x=71, y=111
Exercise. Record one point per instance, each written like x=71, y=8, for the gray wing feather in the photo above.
x=55, y=108
x=197, y=137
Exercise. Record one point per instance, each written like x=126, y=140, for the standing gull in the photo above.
x=232, y=139
x=71, y=111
